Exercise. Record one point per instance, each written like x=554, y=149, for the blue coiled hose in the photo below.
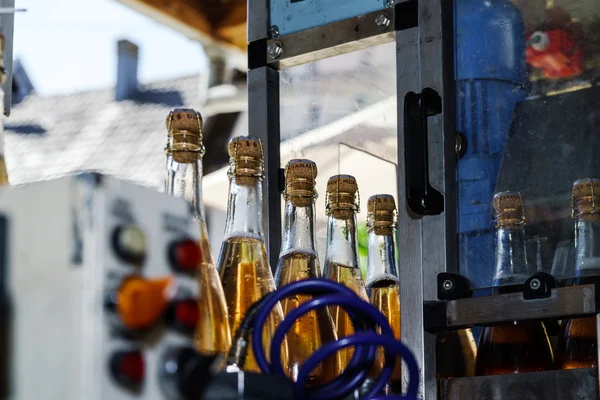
x=365, y=318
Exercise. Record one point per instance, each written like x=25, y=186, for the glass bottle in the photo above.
x=341, y=254
x=243, y=264
x=382, y=276
x=298, y=260
x=576, y=346
x=184, y=179
x=3, y=169
x=518, y=346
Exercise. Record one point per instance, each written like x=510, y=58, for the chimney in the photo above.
x=127, y=66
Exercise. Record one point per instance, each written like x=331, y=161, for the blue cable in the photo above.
x=390, y=344
x=352, y=304
x=354, y=374
x=364, y=318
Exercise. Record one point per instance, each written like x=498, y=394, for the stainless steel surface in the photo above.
x=409, y=229
x=7, y=24
x=62, y=263
x=436, y=62
x=258, y=19
x=564, y=302
x=333, y=39
x=575, y=384
x=263, y=106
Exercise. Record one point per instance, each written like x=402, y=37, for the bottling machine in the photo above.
x=467, y=98
x=490, y=96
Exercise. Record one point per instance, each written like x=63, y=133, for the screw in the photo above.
x=535, y=284
x=448, y=284
x=274, y=31
x=390, y=3
x=382, y=21
x=275, y=49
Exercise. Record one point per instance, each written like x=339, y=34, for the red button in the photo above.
x=187, y=313
x=185, y=255
x=128, y=367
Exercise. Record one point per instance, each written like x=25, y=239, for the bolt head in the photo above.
x=390, y=3
x=382, y=21
x=275, y=49
x=448, y=284
x=274, y=31
x=535, y=284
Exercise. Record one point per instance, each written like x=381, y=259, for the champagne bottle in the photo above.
x=184, y=179
x=576, y=346
x=341, y=255
x=382, y=276
x=3, y=169
x=243, y=263
x=519, y=346
x=298, y=260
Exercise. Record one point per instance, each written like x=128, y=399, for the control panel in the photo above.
x=101, y=294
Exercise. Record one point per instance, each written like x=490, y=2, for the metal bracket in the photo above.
x=567, y=302
x=333, y=39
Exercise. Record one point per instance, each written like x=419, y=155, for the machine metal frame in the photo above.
x=424, y=35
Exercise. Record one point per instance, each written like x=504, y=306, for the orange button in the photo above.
x=140, y=302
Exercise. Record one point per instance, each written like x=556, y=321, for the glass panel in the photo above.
x=526, y=99
x=341, y=113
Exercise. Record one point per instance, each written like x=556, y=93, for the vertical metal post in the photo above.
x=7, y=25
x=409, y=228
x=263, y=108
x=427, y=245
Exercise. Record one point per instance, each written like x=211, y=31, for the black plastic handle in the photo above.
x=421, y=197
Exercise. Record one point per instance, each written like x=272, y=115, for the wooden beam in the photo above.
x=197, y=21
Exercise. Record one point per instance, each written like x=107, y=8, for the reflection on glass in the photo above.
x=577, y=340
x=519, y=346
x=526, y=82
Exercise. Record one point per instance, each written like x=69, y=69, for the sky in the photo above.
x=69, y=46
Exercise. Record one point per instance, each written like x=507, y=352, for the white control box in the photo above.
x=61, y=258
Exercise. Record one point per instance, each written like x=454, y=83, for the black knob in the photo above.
x=184, y=373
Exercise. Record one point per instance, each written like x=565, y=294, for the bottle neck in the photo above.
x=382, y=258
x=341, y=241
x=244, y=208
x=511, y=256
x=185, y=180
x=298, y=228
x=587, y=245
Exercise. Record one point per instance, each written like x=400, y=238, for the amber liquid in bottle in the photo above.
x=184, y=179
x=385, y=295
x=212, y=334
x=519, y=346
x=3, y=172
x=246, y=278
x=351, y=277
x=312, y=330
x=455, y=354
x=576, y=346
x=515, y=348
x=3, y=169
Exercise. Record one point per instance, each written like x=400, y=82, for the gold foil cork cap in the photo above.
x=509, y=209
x=342, y=199
x=184, y=129
x=585, y=197
x=381, y=214
x=300, y=178
x=185, y=119
x=246, y=158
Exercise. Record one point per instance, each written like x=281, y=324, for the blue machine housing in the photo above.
x=490, y=79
